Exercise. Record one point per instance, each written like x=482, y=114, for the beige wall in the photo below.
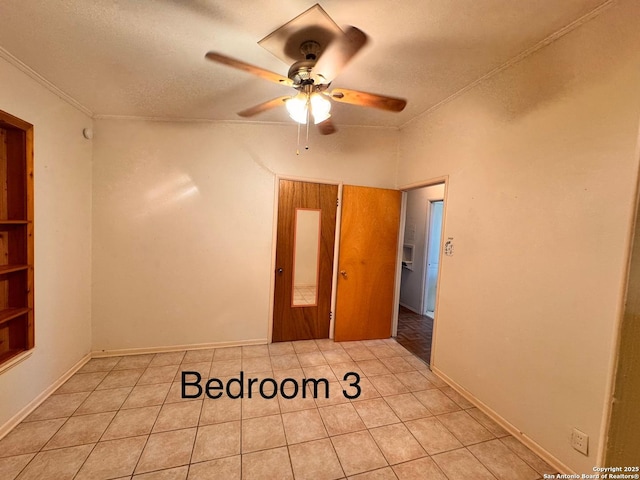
x=542, y=165
x=183, y=223
x=62, y=172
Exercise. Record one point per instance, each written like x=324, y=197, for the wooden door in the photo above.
x=367, y=263
x=304, y=313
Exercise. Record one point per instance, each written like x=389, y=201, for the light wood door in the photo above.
x=367, y=263
x=293, y=319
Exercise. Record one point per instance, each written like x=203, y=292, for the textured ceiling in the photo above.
x=146, y=57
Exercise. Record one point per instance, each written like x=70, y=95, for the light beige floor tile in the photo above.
x=327, y=344
x=311, y=359
x=58, y=406
x=251, y=351
x=134, y=361
x=339, y=419
x=192, y=392
x=197, y=356
x=10, y=467
x=305, y=346
x=202, y=368
x=388, y=385
x=382, y=351
x=320, y=371
x=147, y=395
x=253, y=365
x=285, y=362
x=462, y=465
x=417, y=363
x=375, y=412
x=360, y=353
x=178, y=473
x=176, y=416
x=224, y=368
x=167, y=450
x=132, y=422
x=217, y=441
x=341, y=369
x=295, y=373
x=420, y=469
x=397, y=364
x=373, y=367
x=262, y=433
x=399, y=350
x=220, y=410
x=456, y=397
x=82, y=382
x=167, y=358
x=502, y=461
x=336, y=356
x=407, y=407
x=281, y=348
x=297, y=401
x=432, y=435
x=385, y=473
x=227, y=353
x=99, y=365
x=29, y=437
x=414, y=381
x=528, y=456
x=112, y=459
x=303, y=426
x=397, y=443
x=429, y=375
x=120, y=378
x=81, y=430
x=487, y=423
x=256, y=406
x=60, y=464
x=333, y=396
x=436, y=401
x=228, y=468
x=154, y=375
x=467, y=430
x=104, y=401
x=315, y=460
x=351, y=344
x=369, y=456
x=271, y=464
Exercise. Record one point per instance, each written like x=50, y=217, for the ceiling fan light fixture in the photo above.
x=320, y=107
x=297, y=107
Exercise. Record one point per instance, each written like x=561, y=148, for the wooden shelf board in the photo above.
x=5, y=356
x=12, y=268
x=14, y=222
x=8, y=314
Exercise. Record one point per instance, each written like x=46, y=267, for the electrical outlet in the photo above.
x=580, y=441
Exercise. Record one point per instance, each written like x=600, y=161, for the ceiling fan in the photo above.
x=319, y=62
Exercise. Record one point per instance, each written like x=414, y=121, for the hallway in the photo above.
x=415, y=333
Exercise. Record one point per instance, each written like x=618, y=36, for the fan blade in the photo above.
x=365, y=99
x=260, y=72
x=327, y=127
x=262, y=107
x=337, y=54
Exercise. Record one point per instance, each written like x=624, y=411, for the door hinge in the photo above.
x=330, y=315
x=337, y=202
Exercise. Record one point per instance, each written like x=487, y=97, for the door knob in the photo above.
x=343, y=273
x=280, y=270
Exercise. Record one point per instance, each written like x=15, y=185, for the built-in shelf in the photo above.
x=16, y=240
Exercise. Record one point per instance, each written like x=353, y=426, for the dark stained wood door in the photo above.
x=367, y=264
x=303, y=322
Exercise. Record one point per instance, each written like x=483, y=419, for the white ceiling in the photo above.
x=146, y=57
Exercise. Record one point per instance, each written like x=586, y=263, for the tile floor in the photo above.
x=124, y=418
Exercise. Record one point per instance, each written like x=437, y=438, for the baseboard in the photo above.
x=35, y=403
x=514, y=431
x=175, y=348
x=409, y=307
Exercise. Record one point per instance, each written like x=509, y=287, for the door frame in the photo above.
x=274, y=241
x=403, y=213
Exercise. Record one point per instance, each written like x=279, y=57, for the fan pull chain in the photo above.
x=306, y=146
x=298, y=143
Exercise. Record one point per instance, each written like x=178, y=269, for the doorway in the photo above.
x=420, y=268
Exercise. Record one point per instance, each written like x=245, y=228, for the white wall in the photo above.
x=415, y=233
x=62, y=172
x=542, y=164
x=183, y=223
